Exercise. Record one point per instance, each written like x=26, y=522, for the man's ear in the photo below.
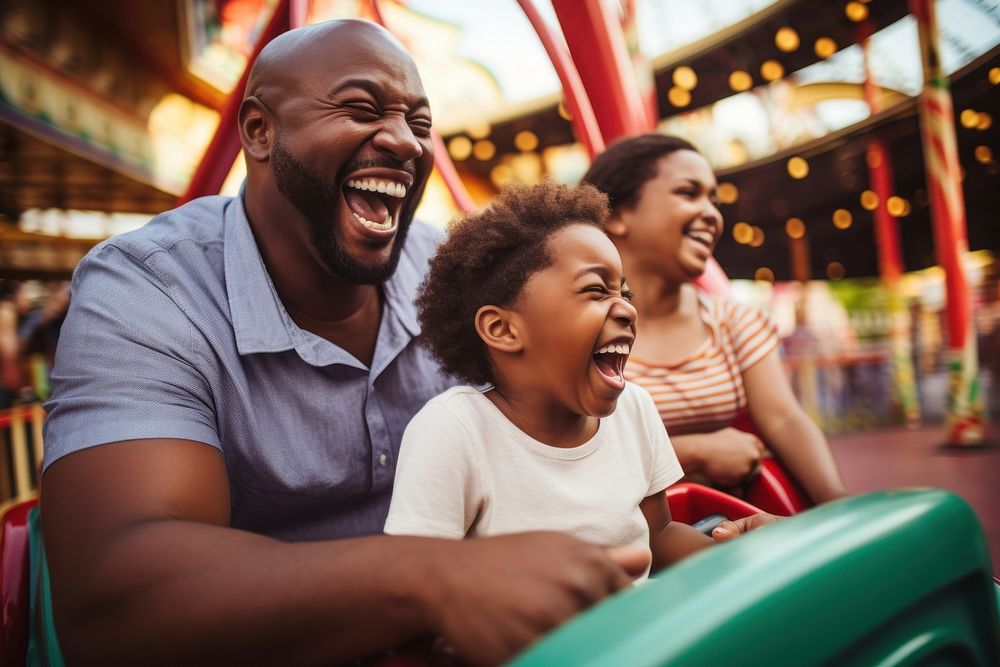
x=495, y=328
x=256, y=130
x=616, y=226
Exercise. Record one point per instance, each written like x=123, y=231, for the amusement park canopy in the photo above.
x=107, y=105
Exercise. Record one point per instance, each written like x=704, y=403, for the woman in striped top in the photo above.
x=702, y=358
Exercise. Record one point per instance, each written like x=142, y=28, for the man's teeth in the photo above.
x=383, y=226
x=375, y=185
x=615, y=349
x=704, y=237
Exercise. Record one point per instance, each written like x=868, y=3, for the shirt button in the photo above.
x=382, y=459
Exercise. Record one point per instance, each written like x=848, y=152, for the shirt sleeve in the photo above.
x=753, y=333
x=666, y=469
x=125, y=367
x=437, y=490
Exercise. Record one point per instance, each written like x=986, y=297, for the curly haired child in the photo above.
x=528, y=297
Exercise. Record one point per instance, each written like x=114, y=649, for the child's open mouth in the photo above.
x=610, y=361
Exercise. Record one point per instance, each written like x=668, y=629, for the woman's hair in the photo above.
x=486, y=260
x=626, y=166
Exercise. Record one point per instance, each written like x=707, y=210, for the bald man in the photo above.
x=230, y=391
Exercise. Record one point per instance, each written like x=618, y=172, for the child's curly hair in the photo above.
x=486, y=260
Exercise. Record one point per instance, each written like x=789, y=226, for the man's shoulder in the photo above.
x=178, y=246
x=199, y=221
x=422, y=241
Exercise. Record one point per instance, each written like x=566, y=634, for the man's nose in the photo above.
x=396, y=137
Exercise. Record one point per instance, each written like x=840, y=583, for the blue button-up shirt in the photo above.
x=176, y=331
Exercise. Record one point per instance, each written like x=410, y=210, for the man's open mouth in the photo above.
x=375, y=202
x=610, y=360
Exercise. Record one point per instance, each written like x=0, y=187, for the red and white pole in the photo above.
x=965, y=416
x=889, y=254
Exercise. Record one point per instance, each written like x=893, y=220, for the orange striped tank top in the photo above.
x=705, y=391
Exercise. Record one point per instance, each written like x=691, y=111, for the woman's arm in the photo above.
x=789, y=431
x=725, y=456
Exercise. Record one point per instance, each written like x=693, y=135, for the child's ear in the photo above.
x=494, y=326
x=616, y=227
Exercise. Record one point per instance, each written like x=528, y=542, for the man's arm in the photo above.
x=145, y=570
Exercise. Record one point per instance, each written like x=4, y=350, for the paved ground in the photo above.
x=899, y=457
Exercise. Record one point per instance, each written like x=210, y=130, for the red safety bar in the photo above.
x=14, y=614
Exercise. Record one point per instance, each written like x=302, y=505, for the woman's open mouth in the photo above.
x=702, y=237
x=610, y=361
x=376, y=202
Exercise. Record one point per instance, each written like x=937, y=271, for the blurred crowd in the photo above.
x=31, y=314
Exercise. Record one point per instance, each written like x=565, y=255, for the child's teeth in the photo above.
x=623, y=348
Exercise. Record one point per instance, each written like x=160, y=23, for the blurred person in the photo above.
x=703, y=358
x=11, y=376
x=38, y=333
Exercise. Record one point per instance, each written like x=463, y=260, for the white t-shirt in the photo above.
x=464, y=470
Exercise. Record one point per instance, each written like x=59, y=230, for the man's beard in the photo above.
x=317, y=201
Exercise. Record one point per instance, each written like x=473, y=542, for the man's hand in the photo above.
x=727, y=530
x=493, y=596
x=729, y=456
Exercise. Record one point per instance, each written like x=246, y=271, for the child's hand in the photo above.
x=727, y=530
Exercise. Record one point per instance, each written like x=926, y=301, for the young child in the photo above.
x=528, y=297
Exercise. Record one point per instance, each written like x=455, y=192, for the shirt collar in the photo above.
x=260, y=321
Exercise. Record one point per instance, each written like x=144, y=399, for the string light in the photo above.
x=771, y=70
x=484, y=150
x=460, y=148
x=727, y=193
x=758, y=238
x=896, y=206
x=842, y=218
x=764, y=274
x=835, y=271
x=856, y=11
x=678, y=97
x=869, y=200
x=969, y=118
x=742, y=233
x=795, y=228
x=786, y=39
x=740, y=80
x=526, y=141
x=825, y=47
x=798, y=168
x=684, y=77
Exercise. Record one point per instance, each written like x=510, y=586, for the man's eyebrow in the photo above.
x=372, y=89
